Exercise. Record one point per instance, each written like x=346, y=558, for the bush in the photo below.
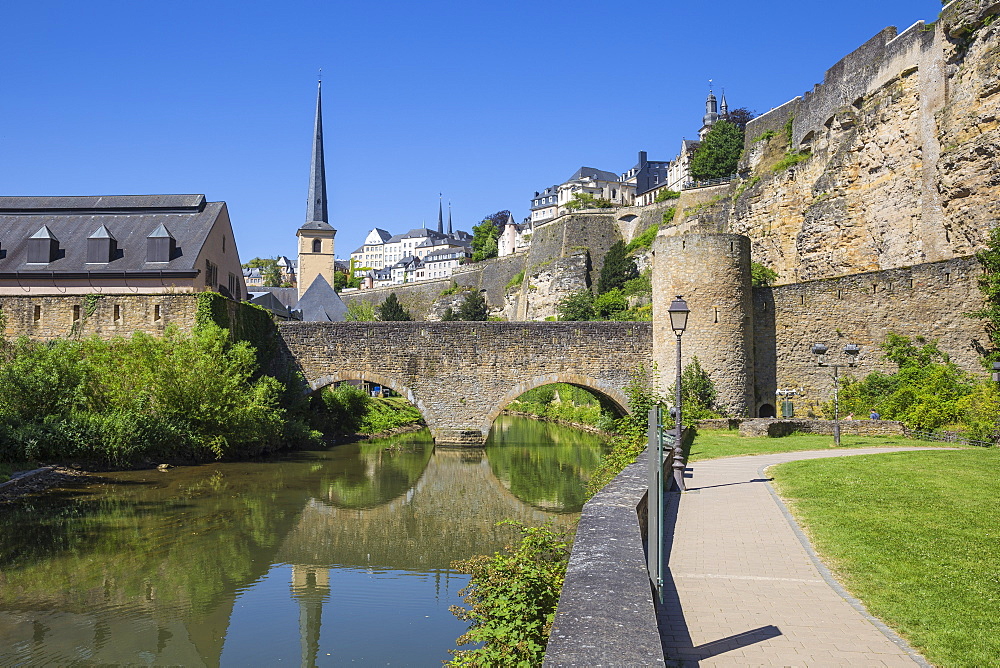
x=197, y=396
x=512, y=597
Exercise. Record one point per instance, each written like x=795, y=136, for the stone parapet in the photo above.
x=606, y=615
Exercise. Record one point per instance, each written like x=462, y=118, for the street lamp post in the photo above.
x=852, y=350
x=678, y=322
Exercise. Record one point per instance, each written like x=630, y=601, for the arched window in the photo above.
x=317, y=245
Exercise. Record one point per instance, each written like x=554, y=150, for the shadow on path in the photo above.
x=675, y=639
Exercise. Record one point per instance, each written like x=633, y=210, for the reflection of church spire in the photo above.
x=311, y=586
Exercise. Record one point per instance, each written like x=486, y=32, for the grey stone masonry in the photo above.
x=606, y=614
x=460, y=375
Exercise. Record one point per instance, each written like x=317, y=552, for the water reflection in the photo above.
x=320, y=557
x=543, y=464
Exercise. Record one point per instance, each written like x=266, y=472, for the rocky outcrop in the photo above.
x=891, y=162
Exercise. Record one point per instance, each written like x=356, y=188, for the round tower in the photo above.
x=712, y=273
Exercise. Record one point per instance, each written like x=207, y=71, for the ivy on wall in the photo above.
x=245, y=322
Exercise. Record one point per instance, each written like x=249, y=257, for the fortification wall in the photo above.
x=552, y=269
x=902, y=138
x=926, y=300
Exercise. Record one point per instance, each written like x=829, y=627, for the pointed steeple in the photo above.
x=316, y=209
x=440, y=216
x=450, y=232
x=723, y=106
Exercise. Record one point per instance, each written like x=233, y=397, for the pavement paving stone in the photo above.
x=742, y=589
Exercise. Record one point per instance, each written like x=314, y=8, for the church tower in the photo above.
x=316, y=234
x=711, y=114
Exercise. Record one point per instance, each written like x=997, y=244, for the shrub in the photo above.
x=512, y=597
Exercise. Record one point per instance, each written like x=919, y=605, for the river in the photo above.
x=311, y=558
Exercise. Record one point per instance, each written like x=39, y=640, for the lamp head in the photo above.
x=819, y=349
x=678, y=315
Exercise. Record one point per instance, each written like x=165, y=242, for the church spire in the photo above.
x=440, y=216
x=723, y=106
x=450, y=232
x=316, y=210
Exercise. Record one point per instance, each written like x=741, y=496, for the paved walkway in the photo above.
x=742, y=588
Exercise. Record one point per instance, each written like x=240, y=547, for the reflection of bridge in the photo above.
x=462, y=374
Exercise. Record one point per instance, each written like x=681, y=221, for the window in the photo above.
x=38, y=313
x=233, y=289
x=317, y=245
x=156, y=312
x=76, y=313
x=118, y=313
x=211, y=274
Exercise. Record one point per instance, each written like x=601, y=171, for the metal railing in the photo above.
x=945, y=437
x=691, y=185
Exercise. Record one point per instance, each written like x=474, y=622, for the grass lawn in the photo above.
x=713, y=443
x=915, y=536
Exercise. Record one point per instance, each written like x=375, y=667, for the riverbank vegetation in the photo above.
x=561, y=402
x=512, y=596
x=347, y=410
x=194, y=397
x=905, y=532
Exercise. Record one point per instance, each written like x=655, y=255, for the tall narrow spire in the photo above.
x=724, y=106
x=316, y=210
x=450, y=232
x=440, y=216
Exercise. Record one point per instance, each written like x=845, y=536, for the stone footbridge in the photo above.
x=462, y=374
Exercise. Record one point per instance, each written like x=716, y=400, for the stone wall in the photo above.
x=928, y=300
x=460, y=375
x=903, y=139
x=52, y=317
x=858, y=427
x=552, y=264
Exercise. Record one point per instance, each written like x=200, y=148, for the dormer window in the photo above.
x=160, y=245
x=43, y=247
x=101, y=246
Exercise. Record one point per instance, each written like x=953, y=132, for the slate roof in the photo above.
x=320, y=303
x=270, y=302
x=287, y=296
x=585, y=172
x=130, y=219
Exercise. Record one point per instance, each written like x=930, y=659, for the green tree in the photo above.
x=392, y=311
x=576, y=306
x=449, y=315
x=618, y=268
x=588, y=201
x=719, y=152
x=609, y=305
x=360, y=311
x=269, y=270
x=761, y=275
x=484, y=240
x=989, y=286
x=473, y=307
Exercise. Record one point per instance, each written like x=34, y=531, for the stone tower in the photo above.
x=712, y=273
x=316, y=234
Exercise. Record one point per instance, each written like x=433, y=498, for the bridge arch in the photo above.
x=369, y=377
x=613, y=395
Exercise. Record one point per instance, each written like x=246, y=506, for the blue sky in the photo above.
x=484, y=102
